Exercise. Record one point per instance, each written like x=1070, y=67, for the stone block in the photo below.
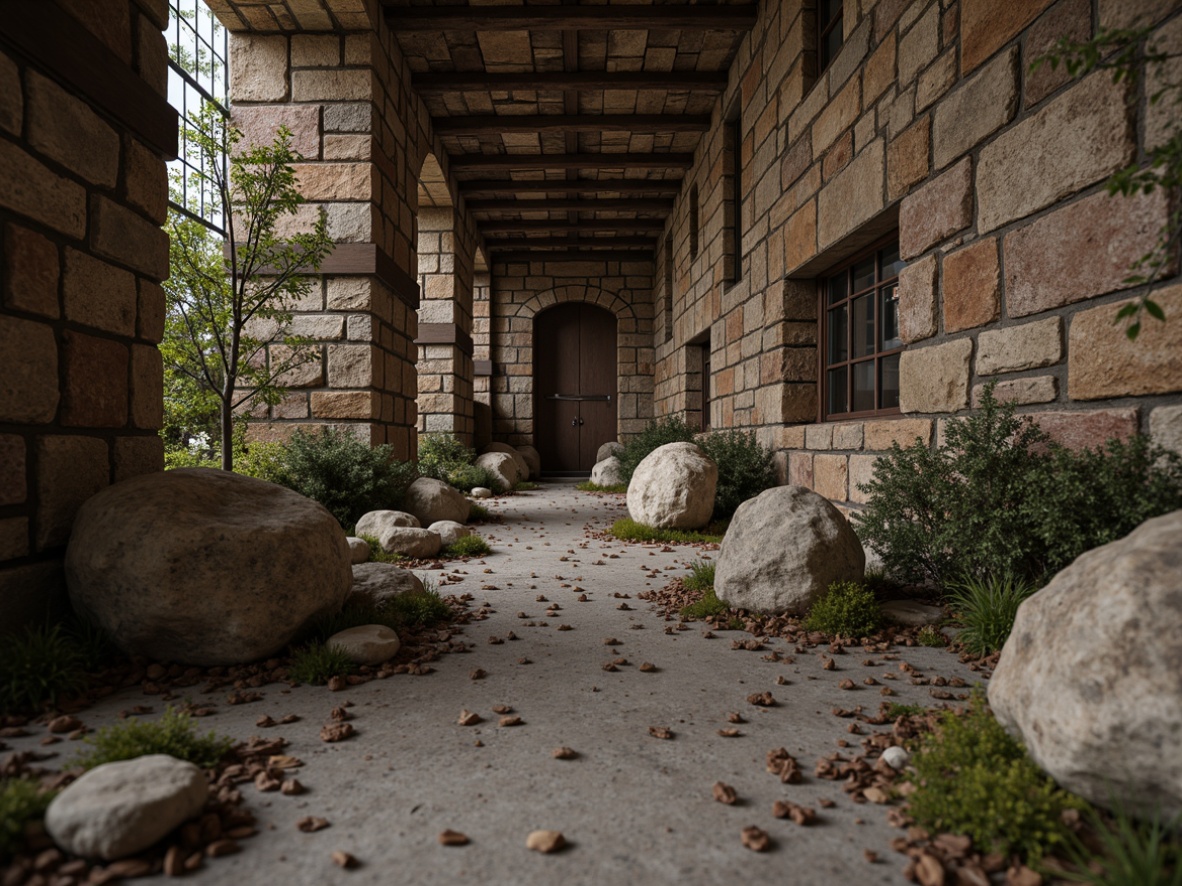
x=800, y=236
x=1079, y=138
x=1165, y=427
x=972, y=286
x=853, y=197
x=318, y=327
x=918, y=47
x=127, y=237
x=350, y=366
x=258, y=68
x=340, y=117
x=907, y=158
x=145, y=180
x=1161, y=119
x=29, y=188
x=348, y=147
x=1088, y=430
x=29, y=382
x=327, y=182
x=831, y=476
x=1122, y=14
x=95, y=392
x=980, y=106
x=260, y=123
x=98, y=294
x=30, y=272
x=861, y=473
x=937, y=210
x=14, y=538
x=881, y=435
x=818, y=437
x=305, y=367
x=1084, y=249
x=69, y=471
x=150, y=322
x=1068, y=18
x=879, y=71
x=13, y=485
x=147, y=387
x=935, y=379
x=1102, y=362
x=12, y=102
x=986, y=26
x=65, y=129
x=1021, y=391
x=936, y=80
x=344, y=404
x=333, y=86
x=800, y=469
x=837, y=116
x=1015, y=348
x=315, y=50
x=138, y=455
x=918, y=285
x=847, y=436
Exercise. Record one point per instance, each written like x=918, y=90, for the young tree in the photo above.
x=229, y=297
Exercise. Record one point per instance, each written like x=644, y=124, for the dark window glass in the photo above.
x=837, y=390
x=830, y=32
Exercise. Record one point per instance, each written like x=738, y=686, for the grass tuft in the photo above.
x=846, y=609
x=468, y=546
x=525, y=486
x=707, y=607
x=319, y=662
x=701, y=576
x=588, y=486
x=378, y=554
x=987, y=608
x=930, y=635
x=478, y=513
x=21, y=801
x=894, y=710
x=629, y=530
x=173, y=734
x=1131, y=851
x=38, y=667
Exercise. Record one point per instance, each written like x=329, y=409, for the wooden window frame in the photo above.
x=824, y=307
x=733, y=154
x=823, y=31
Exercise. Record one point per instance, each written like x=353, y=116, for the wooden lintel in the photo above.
x=636, y=255
x=445, y=334
x=568, y=242
x=495, y=124
x=481, y=81
x=482, y=368
x=577, y=186
x=368, y=258
x=571, y=18
x=511, y=204
x=560, y=227
x=469, y=162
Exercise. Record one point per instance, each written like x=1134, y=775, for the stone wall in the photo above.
x=83, y=193
x=521, y=290
x=929, y=123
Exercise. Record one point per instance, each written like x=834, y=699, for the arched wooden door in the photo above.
x=574, y=385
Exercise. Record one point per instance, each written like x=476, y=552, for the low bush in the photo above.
x=37, y=667
x=629, y=530
x=525, y=486
x=468, y=477
x=986, y=609
x=930, y=635
x=420, y=609
x=997, y=497
x=846, y=609
x=671, y=429
x=22, y=801
x=345, y=474
x=263, y=461
x=588, y=486
x=440, y=454
x=479, y=513
x=893, y=710
x=173, y=734
x=744, y=468
x=318, y=662
x=701, y=575
x=468, y=546
x=973, y=778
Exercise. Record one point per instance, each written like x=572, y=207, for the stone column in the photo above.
x=482, y=357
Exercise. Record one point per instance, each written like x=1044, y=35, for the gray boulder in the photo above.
x=374, y=583
x=673, y=488
x=607, y=450
x=533, y=459
x=782, y=550
x=373, y=522
x=358, y=550
x=911, y=613
x=502, y=466
x=518, y=459
x=420, y=544
x=481, y=492
x=450, y=531
x=431, y=500
x=1090, y=678
x=203, y=566
x=608, y=472
x=118, y=809
x=367, y=644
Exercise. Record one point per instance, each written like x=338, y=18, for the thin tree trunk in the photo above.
x=227, y=435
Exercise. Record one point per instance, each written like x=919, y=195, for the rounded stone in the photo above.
x=502, y=466
x=358, y=549
x=373, y=522
x=673, y=488
x=783, y=549
x=118, y=809
x=533, y=459
x=911, y=613
x=203, y=566
x=420, y=544
x=608, y=472
x=374, y=583
x=518, y=460
x=450, y=531
x=431, y=500
x=607, y=450
x=367, y=644
x=481, y=492
x=896, y=757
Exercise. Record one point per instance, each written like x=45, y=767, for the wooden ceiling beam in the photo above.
x=480, y=81
x=578, y=186
x=637, y=255
x=558, y=227
x=496, y=124
x=568, y=242
x=512, y=204
x=570, y=18
x=466, y=162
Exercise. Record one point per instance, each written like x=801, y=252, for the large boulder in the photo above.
x=673, y=488
x=373, y=522
x=375, y=583
x=607, y=450
x=203, y=566
x=518, y=459
x=118, y=809
x=431, y=500
x=450, y=531
x=608, y=472
x=1091, y=676
x=533, y=460
x=502, y=466
x=782, y=550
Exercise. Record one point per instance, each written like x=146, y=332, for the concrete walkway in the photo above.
x=635, y=809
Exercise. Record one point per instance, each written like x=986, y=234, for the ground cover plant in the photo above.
x=173, y=734
x=468, y=546
x=629, y=530
x=38, y=667
x=478, y=513
x=588, y=486
x=22, y=801
x=318, y=662
x=846, y=609
x=1126, y=850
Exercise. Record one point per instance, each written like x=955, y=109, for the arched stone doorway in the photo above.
x=575, y=385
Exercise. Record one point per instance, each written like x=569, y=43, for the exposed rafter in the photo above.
x=578, y=186
x=602, y=224
x=571, y=161
x=512, y=204
x=495, y=124
x=567, y=242
x=637, y=255
x=479, y=81
x=570, y=18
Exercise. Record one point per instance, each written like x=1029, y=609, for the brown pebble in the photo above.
x=724, y=793
x=755, y=839
x=343, y=859
x=545, y=841
x=453, y=838
x=218, y=848
x=563, y=753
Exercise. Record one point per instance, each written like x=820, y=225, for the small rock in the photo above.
x=453, y=838
x=64, y=723
x=545, y=841
x=343, y=859
x=358, y=549
x=563, y=753
x=450, y=531
x=662, y=732
x=724, y=793
x=481, y=492
x=334, y=732
x=755, y=839
x=310, y=824
x=896, y=757
x=367, y=644
x=469, y=718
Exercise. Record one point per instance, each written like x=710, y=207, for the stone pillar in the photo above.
x=83, y=195
x=482, y=357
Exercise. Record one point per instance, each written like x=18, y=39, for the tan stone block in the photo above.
x=853, y=197
x=1102, y=362
x=880, y=435
x=96, y=391
x=1015, y=348
x=151, y=50
x=98, y=294
x=1122, y=14
x=28, y=188
x=1021, y=391
x=1165, y=427
x=972, y=286
x=838, y=156
x=150, y=321
x=1080, y=138
x=800, y=401
x=936, y=80
x=326, y=182
x=315, y=50
x=344, y=404
x=800, y=469
x=30, y=272
x=879, y=72
x=348, y=147
x=907, y=158
x=847, y=436
x=861, y=473
x=348, y=293
x=986, y=26
x=260, y=126
x=918, y=47
x=119, y=233
x=334, y=86
x=147, y=387
x=831, y=476
x=1084, y=249
x=1088, y=430
x=790, y=437
x=1070, y=19
x=351, y=366
x=12, y=102
x=69, y=471
x=306, y=366
x=65, y=129
x=319, y=327
x=980, y=106
x=917, y=299
x=14, y=538
x=258, y=68
x=935, y=379
x=145, y=180
x=135, y=456
x=937, y=210
x=29, y=382
x=13, y=486
x=818, y=436
x=838, y=115
x=1161, y=119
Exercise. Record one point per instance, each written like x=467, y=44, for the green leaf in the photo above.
x=1154, y=310
x=1133, y=331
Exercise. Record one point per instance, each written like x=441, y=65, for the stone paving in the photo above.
x=634, y=809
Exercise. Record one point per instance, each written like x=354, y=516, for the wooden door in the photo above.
x=574, y=385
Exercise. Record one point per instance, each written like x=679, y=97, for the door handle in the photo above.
x=599, y=398
x=575, y=422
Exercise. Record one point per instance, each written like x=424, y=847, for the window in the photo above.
x=830, y=32
x=733, y=156
x=860, y=332
x=693, y=222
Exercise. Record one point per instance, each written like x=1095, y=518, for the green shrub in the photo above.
x=94, y=646
x=998, y=497
x=478, y=513
x=344, y=474
x=1132, y=852
x=173, y=734
x=629, y=530
x=468, y=477
x=263, y=461
x=707, y=607
x=468, y=546
x=440, y=454
x=420, y=608
x=894, y=710
x=22, y=801
x=671, y=429
x=744, y=468
x=974, y=779
x=525, y=486
x=318, y=662
x=378, y=554
x=986, y=608
x=846, y=609
x=588, y=486
x=701, y=575
x=930, y=635
x=38, y=666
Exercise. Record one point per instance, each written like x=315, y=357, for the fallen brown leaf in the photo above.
x=755, y=839
x=310, y=824
x=724, y=793
x=563, y=753
x=663, y=732
x=469, y=718
x=453, y=838
x=343, y=859
x=336, y=732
